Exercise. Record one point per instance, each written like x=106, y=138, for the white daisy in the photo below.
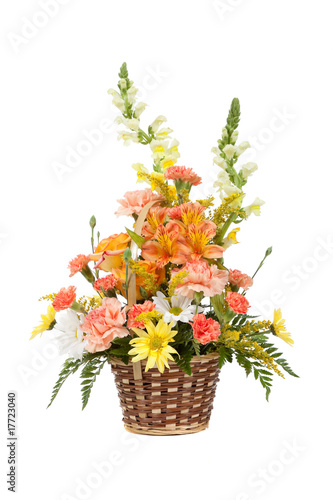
x=70, y=338
x=179, y=310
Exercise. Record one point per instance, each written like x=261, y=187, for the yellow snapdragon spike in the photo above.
x=46, y=322
x=278, y=327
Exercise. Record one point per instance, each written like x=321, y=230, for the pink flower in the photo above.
x=106, y=283
x=184, y=174
x=202, y=278
x=241, y=280
x=134, y=201
x=77, y=264
x=237, y=302
x=175, y=212
x=137, y=309
x=205, y=329
x=103, y=324
x=64, y=299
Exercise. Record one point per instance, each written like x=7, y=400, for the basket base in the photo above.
x=165, y=432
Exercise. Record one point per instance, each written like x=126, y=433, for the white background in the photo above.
x=190, y=58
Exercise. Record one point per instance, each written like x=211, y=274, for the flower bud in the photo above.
x=92, y=222
x=127, y=255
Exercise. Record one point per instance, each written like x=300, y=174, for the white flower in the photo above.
x=70, y=339
x=117, y=100
x=122, y=83
x=242, y=147
x=220, y=162
x=157, y=123
x=132, y=123
x=139, y=108
x=179, y=310
x=224, y=184
x=248, y=169
x=229, y=150
x=254, y=208
x=163, y=133
x=159, y=149
x=131, y=94
x=224, y=133
x=234, y=136
x=127, y=137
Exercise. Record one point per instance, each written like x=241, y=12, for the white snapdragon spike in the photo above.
x=179, y=310
x=242, y=147
x=163, y=133
x=122, y=83
x=231, y=238
x=157, y=123
x=132, y=123
x=229, y=150
x=159, y=149
x=131, y=94
x=248, y=169
x=139, y=108
x=127, y=137
x=117, y=100
x=234, y=136
x=254, y=208
x=69, y=338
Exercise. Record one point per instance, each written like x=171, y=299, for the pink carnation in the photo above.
x=205, y=329
x=107, y=283
x=103, y=324
x=77, y=264
x=175, y=212
x=237, y=302
x=241, y=280
x=183, y=174
x=202, y=278
x=134, y=201
x=137, y=309
x=64, y=299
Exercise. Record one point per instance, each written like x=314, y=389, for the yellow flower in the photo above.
x=154, y=345
x=231, y=238
x=47, y=322
x=278, y=327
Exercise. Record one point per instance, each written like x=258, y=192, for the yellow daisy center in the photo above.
x=156, y=343
x=176, y=311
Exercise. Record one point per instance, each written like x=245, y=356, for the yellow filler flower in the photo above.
x=154, y=345
x=278, y=327
x=47, y=322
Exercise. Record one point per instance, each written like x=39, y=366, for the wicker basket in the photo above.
x=167, y=403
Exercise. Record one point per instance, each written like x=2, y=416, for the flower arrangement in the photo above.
x=162, y=291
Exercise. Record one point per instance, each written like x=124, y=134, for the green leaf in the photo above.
x=139, y=240
x=245, y=363
x=218, y=304
x=225, y=355
x=286, y=367
x=89, y=374
x=184, y=359
x=196, y=346
x=70, y=366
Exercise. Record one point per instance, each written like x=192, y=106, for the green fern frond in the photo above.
x=89, y=374
x=70, y=366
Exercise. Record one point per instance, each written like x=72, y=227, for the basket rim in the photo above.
x=196, y=359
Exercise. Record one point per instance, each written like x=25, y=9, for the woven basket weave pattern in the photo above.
x=167, y=403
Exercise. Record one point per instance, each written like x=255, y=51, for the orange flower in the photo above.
x=198, y=237
x=156, y=216
x=151, y=268
x=170, y=247
x=109, y=252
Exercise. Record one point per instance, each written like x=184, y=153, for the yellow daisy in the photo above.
x=47, y=322
x=278, y=327
x=154, y=345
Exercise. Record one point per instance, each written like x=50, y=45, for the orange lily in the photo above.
x=170, y=247
x=199, y=236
